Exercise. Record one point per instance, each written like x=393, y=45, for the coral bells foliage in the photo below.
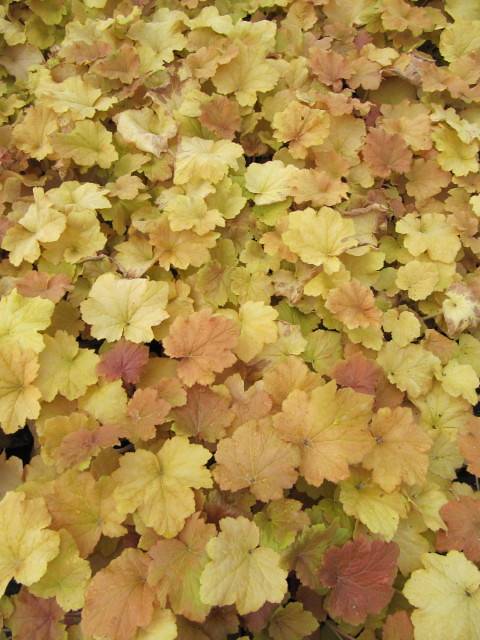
x=239, y=319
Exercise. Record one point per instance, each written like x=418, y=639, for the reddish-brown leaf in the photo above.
x=124, y=360
x=36, y=618
x=360, y=575
x=258, y=620
x=358, y=373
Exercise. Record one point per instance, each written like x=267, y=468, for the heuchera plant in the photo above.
x=239, y=319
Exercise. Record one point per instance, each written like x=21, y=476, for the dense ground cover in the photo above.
x=240, y=297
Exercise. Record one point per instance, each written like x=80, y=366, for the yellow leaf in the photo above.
x=319, y=237
x=257, y=328
x=378, y=510
x=460, y=380
x=73, y=95
x=88, y=144
x=147, y=129
x=418, y=278
x=270, y=181
x=66, y=577
x=191, y=212
x=65, y=368
x=159, y=486
x=302, y=127
x=118, y=307
x=454, y=155
x=107, y=402
x=292, y=622
x=199, y=159
x=246, y=75
x=82, y=238
x=446, y=597
x=429, y=233
x=411, y=368
x=239, y=571
x=19, y=398
x=403, y=326
x=31, y=135
x=21, y=320
x=41, y=223
x=26, y=544
x=162, y=626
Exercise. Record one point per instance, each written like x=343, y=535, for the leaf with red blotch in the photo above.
x=118, y=600
x=386, y=152
x=205, y=416
x=124, y=360
x=359, y=373
x=398, y=626
x=469, y=444
x=44, y=285
x=145, y=411
x=36, y=618
x=360, y=575
x=462, y=518
x=204, y=345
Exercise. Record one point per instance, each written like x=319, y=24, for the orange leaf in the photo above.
x=329, y=428
x=401, y=449
x=469, y=443
x=44, y=285
x=81, y=445
x=118, y=600
x=354, y=304
x=206, y=416
x=221, y=116
x=204, y=344
x=462, y=518
x=385, y=152
x=398, y=626
x=145, y=411
x=255, y=457
x=177, y=565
